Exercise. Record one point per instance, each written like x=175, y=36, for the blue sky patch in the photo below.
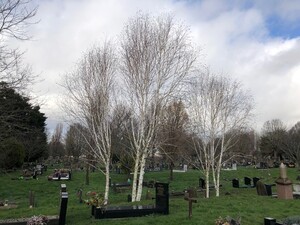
x=282, y=28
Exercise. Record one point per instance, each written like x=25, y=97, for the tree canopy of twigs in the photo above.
x=157, y=56
x=15, y=18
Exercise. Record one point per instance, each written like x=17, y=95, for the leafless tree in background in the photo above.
x=15, y=18
x=218, y=106
x=56, y=146
x=88, y=101
x=292, y=144
x=272, y=139
x=156, y=56
x=75, y=143
x=173, y=133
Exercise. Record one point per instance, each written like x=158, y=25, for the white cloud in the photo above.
x=235, y=40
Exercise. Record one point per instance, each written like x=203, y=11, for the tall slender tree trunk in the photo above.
x=107, y=177
x=87, y=175
x=171, y=171
x=135, y=175
x=141, y=178
x=207, y=181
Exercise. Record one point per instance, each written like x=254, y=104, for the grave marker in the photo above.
x=191, y=197
x=247, y=181
x=185, y=168
x=284, y=184
x=255, y=179
x=202, y=183
x=31, y=199
x=79, y=194
x=162, y=197
x=63, y=205
x=234, y=167
x=261, y=188
x=235, y=183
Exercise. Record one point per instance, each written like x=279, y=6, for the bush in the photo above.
x=12, y=152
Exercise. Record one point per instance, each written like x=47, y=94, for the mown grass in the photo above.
x=244, y=203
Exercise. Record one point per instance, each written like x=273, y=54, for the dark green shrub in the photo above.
x=12, y=152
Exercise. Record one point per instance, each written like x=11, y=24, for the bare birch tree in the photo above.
x=218, y=109
x=156, y=57
x=88, y=101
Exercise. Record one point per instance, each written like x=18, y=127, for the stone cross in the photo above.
x=191, y=197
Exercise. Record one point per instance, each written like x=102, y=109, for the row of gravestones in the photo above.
x=247, y=182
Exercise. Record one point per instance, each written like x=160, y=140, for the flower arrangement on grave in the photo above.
x=228, y=221
x=95, y=199
x=38, y=220
x=292, y=220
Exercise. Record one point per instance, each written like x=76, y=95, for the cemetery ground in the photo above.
x=233, y=202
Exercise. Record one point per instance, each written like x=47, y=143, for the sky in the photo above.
x=255, y=42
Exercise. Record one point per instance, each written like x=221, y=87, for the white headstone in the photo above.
x=234, y=166
x=184, y=168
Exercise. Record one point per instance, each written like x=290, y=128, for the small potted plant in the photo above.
x=96, y=200
x=228, y=221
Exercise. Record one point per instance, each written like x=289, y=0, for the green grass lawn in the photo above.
x=244, y=203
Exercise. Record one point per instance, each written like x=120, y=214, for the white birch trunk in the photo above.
x=107, y=176
x=141, y=178
x=207, y=182
x=134, y=180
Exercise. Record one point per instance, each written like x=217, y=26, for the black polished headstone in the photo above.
x=247, y=181
x=269, y=189
x=235, y=183
x=269, y=221
x=202, y=183
x=162, y=198
x=255, y=179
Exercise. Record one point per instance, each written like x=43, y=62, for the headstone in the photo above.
x=261, y=188
x=255, y=179
x=269, y=189
x=247, y=181
x=202, y=183
x=162, y=197
x=269, y=221
x=235, y=183
x=185, y=168
x=63, y=205
x=234, y=167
